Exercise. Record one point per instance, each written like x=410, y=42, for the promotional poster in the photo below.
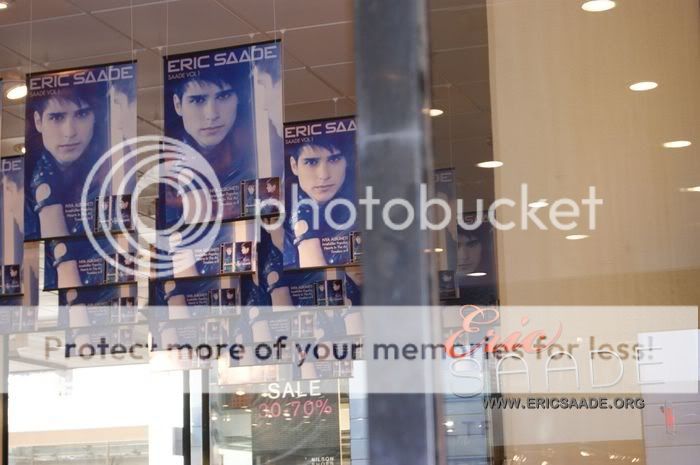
x=97, y=306
x=325, y=288
x=445, y=189
x=12, y=225
x=476, y=274
x=19, y=262
x=72, y=263
x=320, y=165
x=227, y=105
x=233, y=250
x=198, y=297
x=72, y=119
x=18, y=312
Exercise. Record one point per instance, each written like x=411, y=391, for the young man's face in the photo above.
x=321, y=172
x=271, y=188
x=208, y=112
x=66, y=129
x=468, y=253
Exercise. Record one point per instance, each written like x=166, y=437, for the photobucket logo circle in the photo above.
x=124, y=175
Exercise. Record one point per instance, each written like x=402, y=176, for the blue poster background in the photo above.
x=227, y=105
x=320, y=158
x=91, y=269
x=12, y=225
x=72, y=118
x=99, y=306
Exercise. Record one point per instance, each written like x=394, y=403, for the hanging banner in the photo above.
x=73, y=263
x=225, y=104
x=12, y=227
x=320, y=166
x=476, y=275
x=73, y=118
x=198, y=297
x=232, y=249
x=97, y=306
x=446, y=246
x=19, y=262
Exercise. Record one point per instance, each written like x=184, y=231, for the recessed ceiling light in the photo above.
x=435, y=112
x=4, y=4
x=240, y=393
x=585, y=453
x=643, y=85
x=17, y=92
x=450, y=431
x=490, y=164
x=690, y=189
x=449, y=423
x=677, y=144
x=438, y=250
x=476, y=274
x=596, y=6
x=576, y=237
x=539, y=204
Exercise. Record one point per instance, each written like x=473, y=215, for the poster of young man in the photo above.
x=72, y=119
x=319, y=178
x=27, y=297
x=73, y=263
x=232, y=250
x=12, y=224
x=97, y=306
x=19, y=262
x=197, y=297
x=476, y=273
x=227, y=105
x=446, y=238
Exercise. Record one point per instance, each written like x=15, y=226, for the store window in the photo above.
x=150, y=311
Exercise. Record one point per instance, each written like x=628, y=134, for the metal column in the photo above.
x=395, y=157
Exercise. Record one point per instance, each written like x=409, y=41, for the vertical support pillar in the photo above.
x=395, y=158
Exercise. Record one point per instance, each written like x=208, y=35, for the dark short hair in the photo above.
x=74, y=94
x=232, y=77
x=314, y=146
